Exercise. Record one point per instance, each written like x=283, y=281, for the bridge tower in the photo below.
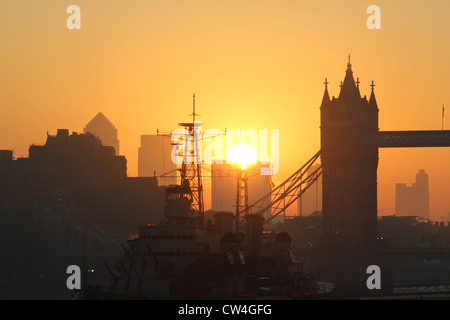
x=349, y=166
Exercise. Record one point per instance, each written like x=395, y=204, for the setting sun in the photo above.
x=243, y=154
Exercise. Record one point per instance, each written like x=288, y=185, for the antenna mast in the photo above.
x=191, y=176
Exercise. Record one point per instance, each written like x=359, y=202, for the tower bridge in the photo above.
x=350, y=139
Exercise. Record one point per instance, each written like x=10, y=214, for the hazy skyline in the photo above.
x=251, y=64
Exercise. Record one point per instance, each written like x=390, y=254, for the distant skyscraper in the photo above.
x=224, y=184
x=154, y=159
x=413, y=200
x=311, y=199
x=102, y=128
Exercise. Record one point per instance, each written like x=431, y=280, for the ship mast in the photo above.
x=190, y=172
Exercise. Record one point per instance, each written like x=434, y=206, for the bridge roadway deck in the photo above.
x=408, y=139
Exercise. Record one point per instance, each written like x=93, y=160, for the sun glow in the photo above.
x=242, y=154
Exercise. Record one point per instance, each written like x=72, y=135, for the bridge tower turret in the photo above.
x=349, y=167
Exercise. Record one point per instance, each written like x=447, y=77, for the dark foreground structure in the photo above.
x=69, y=202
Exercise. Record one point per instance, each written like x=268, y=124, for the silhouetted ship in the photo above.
x=181, y=258
x=185, y=256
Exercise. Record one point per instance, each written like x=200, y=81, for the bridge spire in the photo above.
x=349, y=90
x=326, y=96
x=372, y=100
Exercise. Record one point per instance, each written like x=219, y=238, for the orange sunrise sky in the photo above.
x=251, y=64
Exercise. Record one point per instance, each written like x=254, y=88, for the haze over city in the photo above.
x=251, y=65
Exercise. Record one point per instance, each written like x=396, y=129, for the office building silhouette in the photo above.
x=413, y=200
x=154, y=159
x=76, y=173
x=102, y=128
